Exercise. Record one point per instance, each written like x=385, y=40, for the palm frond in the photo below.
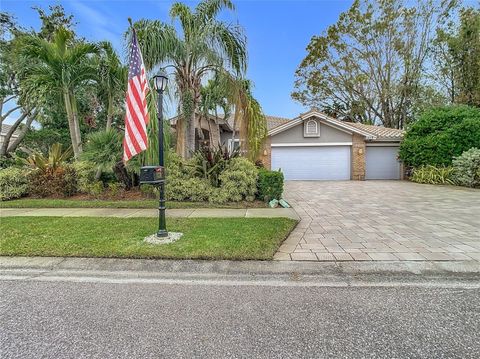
x=158, y=42
x=209, y=9
x=104, y=149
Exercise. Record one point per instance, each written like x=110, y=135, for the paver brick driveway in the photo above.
x=382, y=220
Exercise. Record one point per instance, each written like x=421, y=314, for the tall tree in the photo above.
x=12, y=103
x=52, y=20
x=58, y=68
x=234, y=95
x=368, y=66
x=202, y=46
x=464, y=48
x=112, y=80
x=15, y=101
x=456, y=55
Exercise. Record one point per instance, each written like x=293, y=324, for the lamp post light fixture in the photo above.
x=160, y=83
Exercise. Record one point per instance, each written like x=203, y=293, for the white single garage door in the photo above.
x=312, y=163
x=382, y=163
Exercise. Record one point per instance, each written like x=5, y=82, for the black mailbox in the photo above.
x=152, y=174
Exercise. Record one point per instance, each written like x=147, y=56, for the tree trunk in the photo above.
x=78, y=134
x=180, y=145
x=8, y=135
x=109, y=113
x=13, y=146
x=190, y=143
x=122, y=175
x=71, y=125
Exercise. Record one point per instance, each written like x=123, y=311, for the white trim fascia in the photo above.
x=326, y=119
x=311, y=144
x=322, y=116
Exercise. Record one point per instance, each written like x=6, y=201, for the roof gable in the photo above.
x=368, y=131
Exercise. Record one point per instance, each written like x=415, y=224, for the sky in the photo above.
x=277, y=31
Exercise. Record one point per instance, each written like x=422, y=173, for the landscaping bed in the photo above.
x=81, y=202
x=204, y=238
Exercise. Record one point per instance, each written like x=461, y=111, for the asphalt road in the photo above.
x=102, y=319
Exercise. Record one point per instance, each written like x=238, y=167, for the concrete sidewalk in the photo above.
x=127, y=212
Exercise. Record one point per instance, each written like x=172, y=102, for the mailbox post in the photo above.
x=155, y=175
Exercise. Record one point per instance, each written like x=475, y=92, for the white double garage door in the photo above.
x=334, y=162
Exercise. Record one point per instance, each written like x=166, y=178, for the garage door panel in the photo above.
x=312, y=163
x=382, y=162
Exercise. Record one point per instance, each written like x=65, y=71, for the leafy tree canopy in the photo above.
x=368, y=66
x=440, y=134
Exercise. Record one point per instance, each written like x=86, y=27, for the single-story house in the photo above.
x=314, y=146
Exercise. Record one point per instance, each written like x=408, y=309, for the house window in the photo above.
x=311, y=129
x=233, y=145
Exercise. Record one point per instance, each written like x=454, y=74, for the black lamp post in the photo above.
x=160, y=83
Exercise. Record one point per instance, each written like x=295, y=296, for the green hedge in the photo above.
x=270, y=185
x=439, y=135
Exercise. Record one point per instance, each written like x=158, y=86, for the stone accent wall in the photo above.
x=266, y=153
x=358, y=157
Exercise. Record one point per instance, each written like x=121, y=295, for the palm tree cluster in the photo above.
x=204, y=48
x=58, y=79
x=62, y=80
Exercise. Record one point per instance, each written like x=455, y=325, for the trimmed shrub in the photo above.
x=13, y=183
x=58, y=182
x=85, y=175
x=467, y=168
x=433, y=175
x=190, y=189
x=270, y=185
x=439, y=135
x=237, y=182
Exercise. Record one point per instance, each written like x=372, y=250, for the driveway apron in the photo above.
x=382, y=221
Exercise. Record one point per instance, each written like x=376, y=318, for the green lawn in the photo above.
x=146, y=203
x=204, y=238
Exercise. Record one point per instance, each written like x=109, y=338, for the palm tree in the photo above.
x=204, y=46
x=112, y=80
x=235, y=94
x=59, y=68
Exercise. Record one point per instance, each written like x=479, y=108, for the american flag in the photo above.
x=136, y=119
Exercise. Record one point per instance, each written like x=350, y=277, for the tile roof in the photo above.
x=274, y=121
x=375, y=133
x=382, y=133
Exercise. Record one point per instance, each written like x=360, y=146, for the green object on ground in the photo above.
x=144, y=203
x=284, y=203
x=273, y=203
x=203, y=238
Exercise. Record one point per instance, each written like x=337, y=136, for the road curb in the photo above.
x=457, y=268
